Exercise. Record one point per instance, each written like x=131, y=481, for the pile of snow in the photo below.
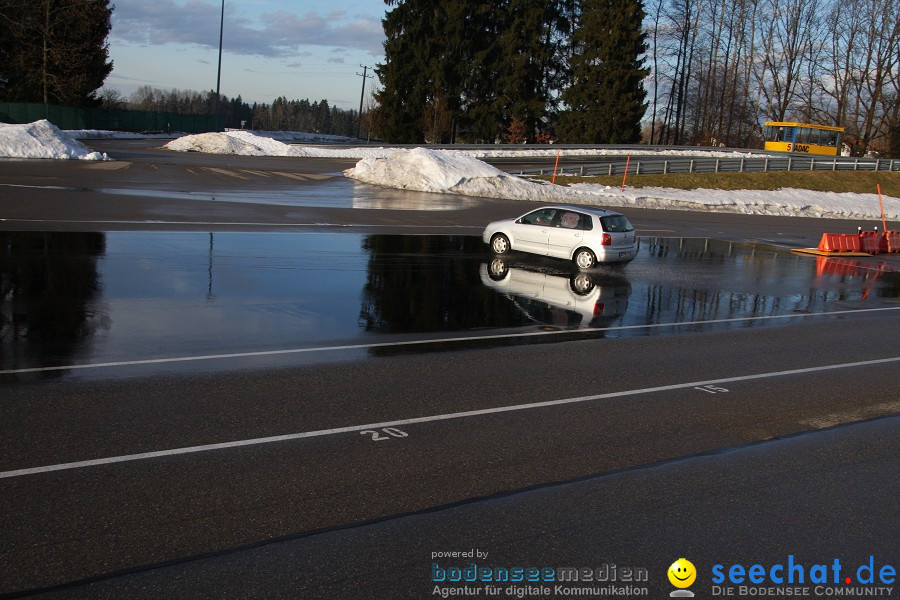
x=242, y=143
x=42, y=139
x=454, y=173
x=247, y=143
x=442, y=171
x=785, y=202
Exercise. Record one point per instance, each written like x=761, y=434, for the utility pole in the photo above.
x=362, y=93
x=219, y=72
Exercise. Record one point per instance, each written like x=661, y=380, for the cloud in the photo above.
x=290, y=30
x=119, y=77
x=278, y=33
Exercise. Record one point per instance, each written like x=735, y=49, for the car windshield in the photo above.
x=616, y=224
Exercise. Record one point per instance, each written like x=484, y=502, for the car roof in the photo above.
x=592, y=210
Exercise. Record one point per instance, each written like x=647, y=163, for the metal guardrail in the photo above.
x=660, y=166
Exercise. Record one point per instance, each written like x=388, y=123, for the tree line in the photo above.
x=706, y=72
x=576, y=70
x=282, y=115
x=720, y=68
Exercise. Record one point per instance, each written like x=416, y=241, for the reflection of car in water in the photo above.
x=579, y=299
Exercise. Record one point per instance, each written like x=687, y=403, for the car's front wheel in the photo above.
x=582, y=284
x=500, y=244
x=584, y=258
x=497, y=270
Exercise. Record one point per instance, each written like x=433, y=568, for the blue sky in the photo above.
x=299, y=49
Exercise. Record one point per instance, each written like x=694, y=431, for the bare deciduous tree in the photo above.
x=723, y=67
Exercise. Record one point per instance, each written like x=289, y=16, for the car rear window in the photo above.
x=616, y=224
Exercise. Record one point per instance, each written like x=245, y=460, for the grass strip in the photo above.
x=861, y=182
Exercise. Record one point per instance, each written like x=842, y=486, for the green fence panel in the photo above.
x=67, y=117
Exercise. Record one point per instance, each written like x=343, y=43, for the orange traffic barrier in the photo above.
x=869, y=242
x=890, y=241
x=839, y=242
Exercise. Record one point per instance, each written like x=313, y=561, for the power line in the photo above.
x=361, y=94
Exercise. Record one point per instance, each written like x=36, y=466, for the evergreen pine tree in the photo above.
x=404, y=91
x=467, y=65
x=54, y=51
x=605, y=97
x=527, y=61
x=481, y=54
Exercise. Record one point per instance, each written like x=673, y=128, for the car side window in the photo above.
x=542, y=217
x=573, y=220
x=586, y=223
x=570, y=220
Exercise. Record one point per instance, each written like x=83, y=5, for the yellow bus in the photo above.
x=802, y=137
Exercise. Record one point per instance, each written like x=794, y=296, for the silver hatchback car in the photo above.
x=585, y=235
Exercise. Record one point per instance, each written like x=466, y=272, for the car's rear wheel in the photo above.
x=584, y=258
x=500, y=244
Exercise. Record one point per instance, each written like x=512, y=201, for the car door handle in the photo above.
x=577, y=235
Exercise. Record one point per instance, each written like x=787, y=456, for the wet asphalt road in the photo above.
x=626, y=439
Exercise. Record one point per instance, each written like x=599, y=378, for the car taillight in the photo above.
x=606, y=240
x=598, y=309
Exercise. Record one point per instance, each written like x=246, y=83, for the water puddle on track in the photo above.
x=76, y=298
x=339, y=193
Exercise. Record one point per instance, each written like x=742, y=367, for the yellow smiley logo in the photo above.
x=682, y=573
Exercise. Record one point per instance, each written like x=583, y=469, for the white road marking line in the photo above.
x=39, y=187
x=111, y=165
x=226, y=172
x=429, y=419
x=474, y=338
